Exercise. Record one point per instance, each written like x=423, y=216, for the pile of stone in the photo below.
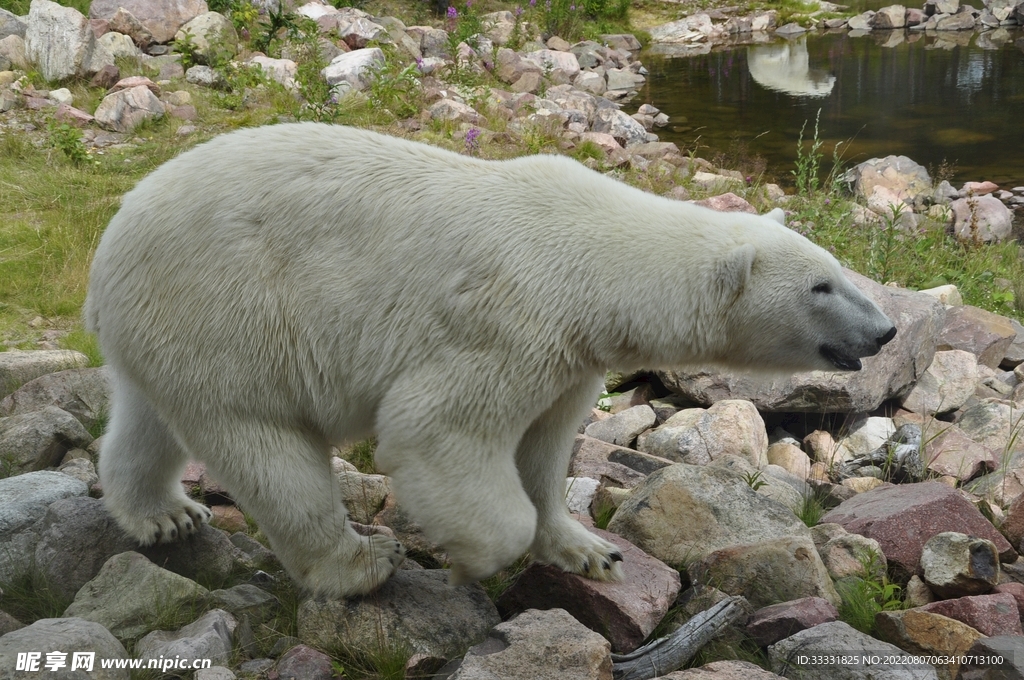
x=936, y=15
x=703, y=486
x=978, y=212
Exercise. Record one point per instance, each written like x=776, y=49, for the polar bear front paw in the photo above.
x=179, y=521
x=576, y=550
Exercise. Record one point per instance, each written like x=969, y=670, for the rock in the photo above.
x=861, y=22
x=18, y=368
x=1009, y=649
x=415, y=608
x=847, y=555
x=986, y=335
x=305, y=663
x=622, y=428
x=770, y=481
x=695, y=28
x=925, y=633
x=606, y=462
x=963, y=21
x=955, y=565
x=24, y=499
x=902, y=519
x=538, y=645
x=791, y=458
x=626, y=611
x=130, y=592
x=619, y=125
x=499, y=26
x=212, y=35
x=551, y=60
x=355, y=68
x=40, y=439
x=123, y=111
x=790, y=29
x=948, y=294
x=208, y=555
x=247, y=600
x=161, y=18
x=888, y=374
x=360, y=32
x=682, y=513
x=981, y=219
x=205, y=77
x=825, y=640
x=727, y=202
x=209, y=637
x=993, y=424
x=79, y=644
x=773, y=571
x=951, y=452
x=722, y=670
x=11, y=24
x=126, y=23
x=898, y=174
x=894, y=16
x=449, y=109
x=591, y=82
x=947, y=384
x=698, y=436
x=775, y=622
x=363, y=495
x=84, y=393
x=108, y=49
x=994, y=614
x=282, y=71
x=863, y=436
x=58, y=39
x=626, y=42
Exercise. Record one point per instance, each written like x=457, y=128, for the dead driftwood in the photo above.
x=671, y=652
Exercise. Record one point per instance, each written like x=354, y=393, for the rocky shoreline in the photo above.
x=701, y=477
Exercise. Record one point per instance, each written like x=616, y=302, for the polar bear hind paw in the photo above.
x=165, y=527
x=362, y=572
x=587, y=555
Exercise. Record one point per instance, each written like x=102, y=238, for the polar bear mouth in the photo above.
x=841, y=361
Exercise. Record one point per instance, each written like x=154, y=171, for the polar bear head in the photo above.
x=792, y=307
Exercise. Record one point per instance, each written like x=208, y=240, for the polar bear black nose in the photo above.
x=887, y=337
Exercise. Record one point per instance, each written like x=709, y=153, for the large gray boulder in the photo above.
x=209, y=637
x=58, y=39
x=11, y=24
x=898, y=174
x=210, y=32
x=162, y=18
x=682, y=513
x=23, y=501
x=416, y=608
x=18, y=368
x=76, y=638
x=893, y=371
x=125, y=110
x=981, y=219
x=355, y=68
x=39, y=439
x=84, y=393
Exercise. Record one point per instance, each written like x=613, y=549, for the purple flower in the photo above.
x=452, y=12
x=572, y=8
x=533, y=3
x=469, y=3
x=472, y=140
x=419, y=63
x=519, y=11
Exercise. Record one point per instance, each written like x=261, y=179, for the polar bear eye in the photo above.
x=824, y=287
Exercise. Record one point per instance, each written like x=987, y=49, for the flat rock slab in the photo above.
x=951, y=452
x=83, y=392
x=918, y=318
x=625, y=611
x=902, y=518
x=610, y=463
x=72, y=636
x=682, y=513
x=778, y=621
x=17, y=368
x=926, y=633
x=791, y=657
x=722, y=670
x=994, y=614
x=986, y=335
x=415, y=608
x=539, y=645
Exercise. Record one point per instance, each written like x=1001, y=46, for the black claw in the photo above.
x=616, y=557
x=607, y=565
x=174, y=534
x=586, y=566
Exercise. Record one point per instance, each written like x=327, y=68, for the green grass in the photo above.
x=20, y=7
x=29, y=600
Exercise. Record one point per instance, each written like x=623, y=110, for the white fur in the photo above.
x=282, y=289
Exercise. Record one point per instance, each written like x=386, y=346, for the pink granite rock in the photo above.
x=953, y=453
x=903, y=517
x=626, y=612
x=773, y=623
x=1016, y=590
x=993, y=614
x=984, y=334
x=728, y=202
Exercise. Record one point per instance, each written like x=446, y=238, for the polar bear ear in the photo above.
x=734, y=270
x=777, y=214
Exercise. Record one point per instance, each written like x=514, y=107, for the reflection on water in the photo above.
x=785, y=67
x=957, y=98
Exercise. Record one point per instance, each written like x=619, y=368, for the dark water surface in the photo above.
x=957, y=99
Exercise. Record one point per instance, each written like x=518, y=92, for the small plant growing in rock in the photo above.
x=268, y=41
x=186, y=47
x=864, y=596
x=755, y=479
x=68, y=139
x=394, y=88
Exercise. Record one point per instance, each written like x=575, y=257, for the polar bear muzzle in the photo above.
x=848, y=362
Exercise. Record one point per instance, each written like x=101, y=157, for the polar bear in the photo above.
x=282, y=289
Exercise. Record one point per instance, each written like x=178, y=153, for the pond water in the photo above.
x=953, y=99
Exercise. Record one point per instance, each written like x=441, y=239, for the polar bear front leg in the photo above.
x=140, y=469
x=282, y=477
x=543, y=460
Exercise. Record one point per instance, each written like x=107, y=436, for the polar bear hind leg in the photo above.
x=282, y=477
x=543, y=461
x=140, y=468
